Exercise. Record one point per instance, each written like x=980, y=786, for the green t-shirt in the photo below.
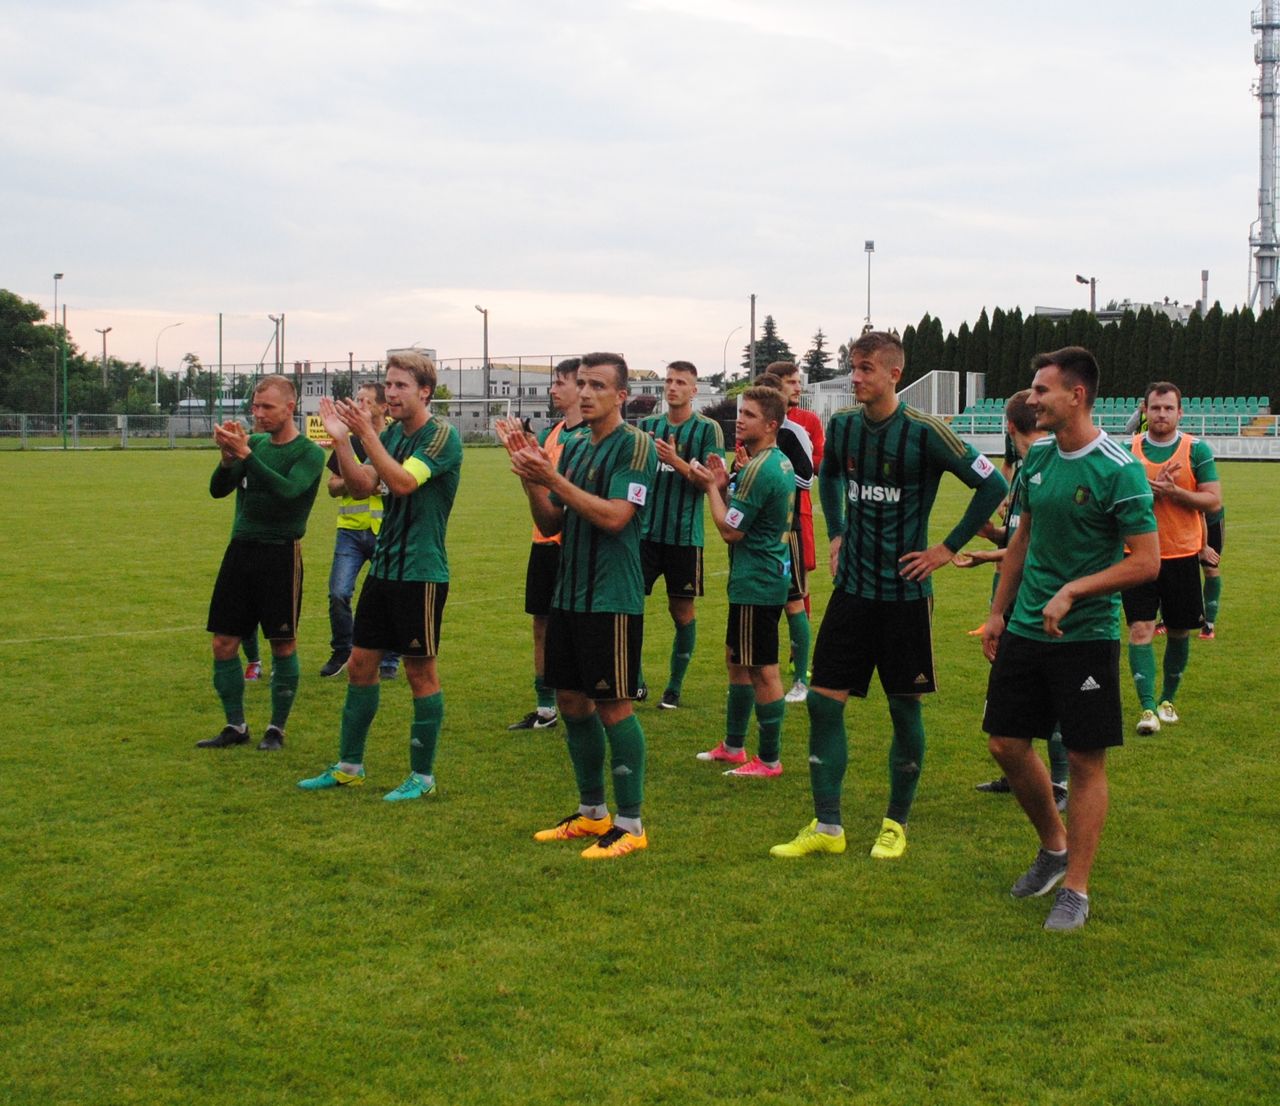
x=674, y=513
x=565, y=434
x=411, y=540
x=1082, y=506
x=275, y=487
x=599, y=571
x=761, y=497
x=890, y=473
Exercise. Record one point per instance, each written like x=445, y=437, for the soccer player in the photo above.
x=756, y=524
x=358, y=523
x=880, y=474
x=275, y=473
x=1184, y=480
x=1084, y=499
x=1022, y=432
x=795, y=444
x=672, y=538
x=544, y=555
x=1211, y=564
x=798, y=613
x=593, y=497
x=418, y=459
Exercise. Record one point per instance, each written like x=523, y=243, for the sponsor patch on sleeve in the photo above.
x=733, y=517
x=637, y=494
x=982, y=466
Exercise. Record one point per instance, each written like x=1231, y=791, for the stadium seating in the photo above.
x=1204, y=415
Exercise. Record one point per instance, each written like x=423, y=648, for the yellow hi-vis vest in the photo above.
x=360, y=514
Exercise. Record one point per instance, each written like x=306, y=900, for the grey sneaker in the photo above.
x=1070, y=911
x=1039, y=879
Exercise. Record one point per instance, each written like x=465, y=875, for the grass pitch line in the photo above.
x=104, y=634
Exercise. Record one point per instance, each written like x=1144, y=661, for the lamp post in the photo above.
x=1092, y=282
x=278, y=364
x=156, y=359
x=485, y=373
x=724, y=355
x=57, y=341
x=870, y=246
x=104, y=334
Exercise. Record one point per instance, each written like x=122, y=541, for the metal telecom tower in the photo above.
x=1266, y=52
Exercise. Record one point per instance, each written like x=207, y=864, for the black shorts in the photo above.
x=1175, y=595
x=892, y=637
x=400, y=616
x=1215, y=536
x=752, y=636
x=540, y=578
x=679, y=565
x=259, y=584
x=1074, y=686
x=799, y=575
x=595, y=654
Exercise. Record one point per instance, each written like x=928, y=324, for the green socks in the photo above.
x=1177, y=650
x=228, y=682
x=798, y=628
x=250, y=647
x=284, y=686
x=682, y=654
x=828, y=756
x=737, y=716
x=769, y=716
x=585, y=739
x=357, y=716
x=906, y=755
x=1212, y=598
x=1142, y=663
x=1059, y=769
x=424, y=734
x=626, y=746
x=546, y=695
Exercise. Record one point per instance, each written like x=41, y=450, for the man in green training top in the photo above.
x=1058, y=661
x=756, y=523
x=418, y=459
x=1184, y=480
x=274, y=473
x=671, y=546
x=880, y=474
x=593, y=498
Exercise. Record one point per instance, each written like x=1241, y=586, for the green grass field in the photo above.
x=184, y=926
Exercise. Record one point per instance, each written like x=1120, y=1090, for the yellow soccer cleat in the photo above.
x=617, y=842
x=809, y=840
x=576, y=825
x=891, y=842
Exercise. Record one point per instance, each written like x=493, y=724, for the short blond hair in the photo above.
x=275, y=380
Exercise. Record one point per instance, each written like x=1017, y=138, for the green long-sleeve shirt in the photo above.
x=275, y=487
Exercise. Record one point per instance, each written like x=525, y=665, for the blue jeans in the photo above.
x=351, y=549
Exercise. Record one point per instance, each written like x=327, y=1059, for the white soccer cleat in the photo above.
x=1166, y=713
x=1148, y=723
x=798, y=693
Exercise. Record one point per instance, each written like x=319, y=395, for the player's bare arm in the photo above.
x=610, y=515
x=713, y=479
x=358, y=480
x=1010, y=579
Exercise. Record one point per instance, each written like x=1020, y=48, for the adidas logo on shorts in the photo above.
x=602, y=685
x=922, y=679
x=1090, y=684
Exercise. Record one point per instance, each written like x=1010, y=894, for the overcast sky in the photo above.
x=612, y=175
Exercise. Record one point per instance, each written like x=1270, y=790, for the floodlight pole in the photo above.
x=485, y=373
x=1092, y=282
x=156, y=359
x=57, y=341
x=870, y=247
x=724, y=355
x=104, y=334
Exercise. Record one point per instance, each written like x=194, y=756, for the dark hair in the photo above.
x=773, y=404
x=619, y=363
x=1161, y=387
x=881, y=341
x=782, y=369
x=275, y=380
x=1019, y=414
x=1077, y=364
x=684, y=367
x=767, y=380
x=418, y=365
x=569, y=366
x=375, y=386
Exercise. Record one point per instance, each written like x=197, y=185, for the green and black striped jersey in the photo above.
x=599, y=571
x=674, y=514
x=761, y=498
x=888, y=475
x=411, y=541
